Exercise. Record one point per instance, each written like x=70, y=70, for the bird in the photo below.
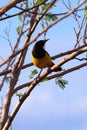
x=40, y=57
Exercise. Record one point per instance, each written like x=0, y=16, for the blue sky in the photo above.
x=49, y=107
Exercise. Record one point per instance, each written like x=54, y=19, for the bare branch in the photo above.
x=53, y=58
x=10, y=5
x=30, y=12
x=85, y=33
x=52, y=76
x=48, y=27
x=7, y=32
x=35, y=82
x=81, y=59
x=78, y=34
x=14, y=78
x=17, y=57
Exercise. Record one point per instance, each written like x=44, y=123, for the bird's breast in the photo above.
x=42, y=62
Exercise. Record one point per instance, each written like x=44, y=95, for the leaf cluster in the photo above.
x=85, y=11
x=38, y=2
x=33, y=73
x=19, y=95
x=61, y=82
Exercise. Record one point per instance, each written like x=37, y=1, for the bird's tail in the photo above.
x=57, y=69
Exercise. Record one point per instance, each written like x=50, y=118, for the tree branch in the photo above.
x=34, y=20
x=48, y=27
x=10, y=5
x=35, y=82
x=52, y=76
x=53, y=58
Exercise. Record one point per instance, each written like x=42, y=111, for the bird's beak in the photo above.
x=46, y=40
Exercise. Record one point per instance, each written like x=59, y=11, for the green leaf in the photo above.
x=18, y=29
x=39, y=2
x=20, y=17
x=43, y=80
x=19, y=95
x=50, y=17
x=85, y=11
x=61, y=82
x=45, y=6
x=33, y=73
x=42, y=24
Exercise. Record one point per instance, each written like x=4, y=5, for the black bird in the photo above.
x=40, y=56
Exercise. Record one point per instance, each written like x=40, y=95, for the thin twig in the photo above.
x=52, y=76
x=80, y=59
x=7, y=32
x=85, y=33
x=10, y=5
x=53, y=58
x=30, y=12
x=78, y=34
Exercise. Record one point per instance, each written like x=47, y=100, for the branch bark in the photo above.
x=35, y=82
x=43, y=31
x=14, y=78
x=15, y=71
x=10, y=5
x=53, y=76
x=53, y=58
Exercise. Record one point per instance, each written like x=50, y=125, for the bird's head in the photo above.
x=40, y=44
